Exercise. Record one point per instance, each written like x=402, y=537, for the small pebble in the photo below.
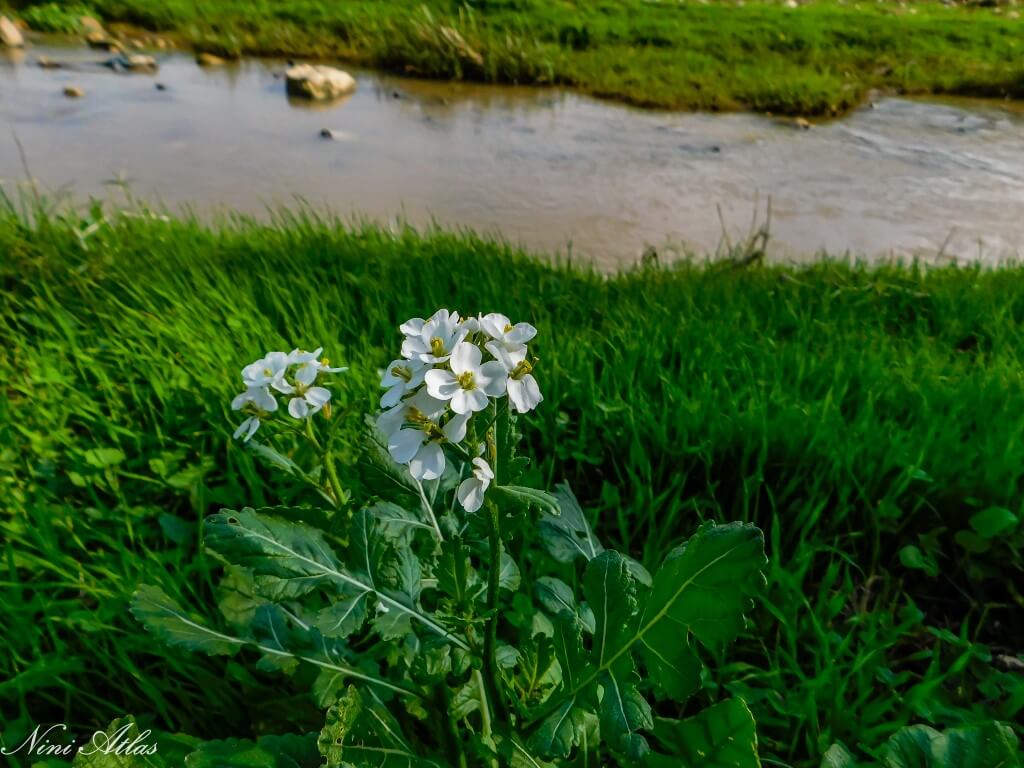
x=161, y=87
x=73, y=92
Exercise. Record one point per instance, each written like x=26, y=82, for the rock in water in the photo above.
x=318, y=82
x=73, y=92
x=209, y=60
x=132, y=62
x=10, y=35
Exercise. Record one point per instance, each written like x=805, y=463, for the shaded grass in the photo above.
x=819, y=59
x=849, y=411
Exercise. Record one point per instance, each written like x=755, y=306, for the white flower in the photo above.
x=400, y=378
x=307, y=367
x=258, y=399
x=522, y=387
x=468, y=384
x=269, y=371
x=415, y=437
x=471, y=490
x=309, y=400
x=511, y=337
x=437, y=337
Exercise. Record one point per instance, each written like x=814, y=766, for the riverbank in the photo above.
x=819, y=58
x=868, y=419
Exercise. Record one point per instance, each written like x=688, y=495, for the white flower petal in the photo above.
x=254, y=424
x=392, y=397
x=465, y=357
x=471, y=494
x=520, y=333
x=428, y=463
x=491, y=378
x=298, y=408
x=306, y=373
x=441, y=384
x=404, y=443
x=318, y=397
x=524, y=393
x=455, y=429
x=482, y=471
x=412, y=327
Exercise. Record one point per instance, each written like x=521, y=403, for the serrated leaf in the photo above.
x=287, y=550
x=339, y=720
x=359, y=731
x=159, y=614
x=624, y=713
x=561, y=731
x=721, y=736
x=987, y=745
x=557, y=597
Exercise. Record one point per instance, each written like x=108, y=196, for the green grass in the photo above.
x=851, y=412
x=819, y=59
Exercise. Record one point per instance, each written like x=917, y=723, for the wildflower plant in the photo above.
x=464, y=618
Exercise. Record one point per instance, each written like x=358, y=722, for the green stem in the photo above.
x=332, y=478
x=453, y=743
x=485, y=713
x=492, y=678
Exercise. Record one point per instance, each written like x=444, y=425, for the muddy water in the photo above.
x=545, y=168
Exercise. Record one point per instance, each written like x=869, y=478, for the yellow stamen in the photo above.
x=466, y=380
x=437, y=347
x=523, y=368
x=402, y=372
x=507, y=328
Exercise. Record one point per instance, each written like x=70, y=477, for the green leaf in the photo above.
x=340, y=718
x=454, y=573
x=360, y=731
x=912, y=557
x=993, y=522
x=397, y=524
x=565, y=532
x=988, y=745
x=611, y=594
x=624, y=713
x=286, y=751
x=523, y=497
x=344, y=616
x=561, y=731
x=702, y=589
x=159, y=614
x=706, y=584
x=557, y=597
x=508, y=574
x=838, y=756
x=672, y=661
x=292, y=550
x=722, y=736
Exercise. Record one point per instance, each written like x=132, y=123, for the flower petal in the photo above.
x=428, y=463
x=465, y=357
x=441, y=384
x=491, y=378
x=298, y=408
x=520, y=333
x=455, y=429
x=404, y=443
x=471, y=494
x=318, y=397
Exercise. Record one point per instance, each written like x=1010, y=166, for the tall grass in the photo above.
x=821, y=58
x=851, y=411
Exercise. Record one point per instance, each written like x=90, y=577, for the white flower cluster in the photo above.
x=293, y=375
x=442, y=380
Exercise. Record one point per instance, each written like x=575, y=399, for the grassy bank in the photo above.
x=863, y=417
x=821, y=58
